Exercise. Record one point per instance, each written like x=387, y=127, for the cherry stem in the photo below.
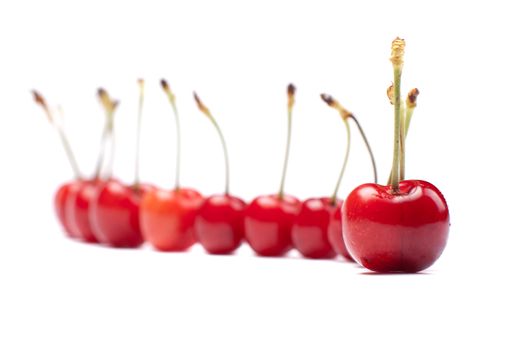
x=291, y=101
x=139, y=123
x=333, y=199
x=397, y=128
x=171, y=99
x=226, y=159
x=39, y=99
x=101, y=152
x=365, y=139
x=69, y=152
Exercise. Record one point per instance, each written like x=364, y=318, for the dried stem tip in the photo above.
x=390, y=93
x=337, y=106
x=167, y=90
x=398, y=51
x=40, y=100
x=140, y=81
x=291, y=95
x=201, y=105
x=412, y=98
x=106, y=101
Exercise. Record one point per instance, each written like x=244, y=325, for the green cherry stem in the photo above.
x=291, y=101
x=208, y=114
x=39, y=99
x=398, y=47
x=171, y=99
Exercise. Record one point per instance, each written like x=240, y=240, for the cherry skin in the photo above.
x=335, y=231
x=61, y=199
x=268, y=222
x=77, y=209
x=168, y=218
x=402, y=232
x=310, y=229
x=114, y=214
x=219, y=225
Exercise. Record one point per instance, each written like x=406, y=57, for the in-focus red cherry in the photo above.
x=335, y=231
x=268, y=223
x=77, y=209
x=220, y=224
x=388, y=232
x=310, y=229
x=61, y=199
x=114, y=214
x=168, y=218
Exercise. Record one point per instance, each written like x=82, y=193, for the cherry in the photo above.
x=62, y=196
x=167, y=218
x=77, y=208
x=219, y=225
x=269, y=219
x=401, y=227
x=317, y=231
x=114, y=209
x=389, y=230
x=64, y=192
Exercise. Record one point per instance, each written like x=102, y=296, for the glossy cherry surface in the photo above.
x=77, y=209
x=219, y=225
x=60, y=201
x=114, y=214
x=335, y=231
x=268, y=223
x=402, y=232
x=168, y=218
x=310, y=229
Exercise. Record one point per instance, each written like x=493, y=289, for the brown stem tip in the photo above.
x=106, y=101
x=412, y=98
x=167, y=89
x=201, y=105
x=332, y=102
x=40, y=100
x=291, y=95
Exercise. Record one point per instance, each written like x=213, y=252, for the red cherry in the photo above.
x=335, y=231
x=310, y=229
x=268, y=222
x=168, y=218
x=77, y=209
x=114, y=214
x=404, y=231
x=61, y=199
x=220, y=224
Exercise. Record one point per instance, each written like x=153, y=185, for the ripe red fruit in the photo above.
x=335, y=232
x=219, y=225
x=310, y=229
x=317, y=231
x=401, y=227
x=268, y=223
x=167, y=218
x=61, y=199
x=77, y=209
x=114, y=214
x=269, y=219
x=403, y=231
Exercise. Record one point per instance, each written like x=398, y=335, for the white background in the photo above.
x=466, y=138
